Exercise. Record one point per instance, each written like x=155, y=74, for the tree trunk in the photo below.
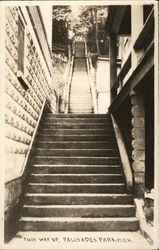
x=96, y=31
x=95, y=27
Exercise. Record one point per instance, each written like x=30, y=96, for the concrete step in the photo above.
x=74, y=96
x=74, y=101
x=51, y=115
x=76, y=160
x=77, y=120
x=76, y=131
x=62, y=115
x=77, y=152
x=76, y=178
x=84, y=93
x=82, y=101
x=77, y=199
x=75, y=138
x=76, y=169
x=83, y=89
x=78, y=224
x=80, y=105
x=78, y=211
x=76, y=188
x=77, y=126
x=76, y=145
x=80, y=110
x=48, y=125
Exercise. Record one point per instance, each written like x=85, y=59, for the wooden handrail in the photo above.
x=149, y=24
x=67, y=86
x=122, y=74
x=93, y=91
x=123, y=156
x=145, y=65
x=137, y=45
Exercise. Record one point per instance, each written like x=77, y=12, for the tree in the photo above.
x=61, y=12
x=94, y=17
x=89, y=24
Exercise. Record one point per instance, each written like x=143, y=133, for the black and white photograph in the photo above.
x=79, y=125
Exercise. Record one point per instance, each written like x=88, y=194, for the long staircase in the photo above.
x=80, y=94
x=76, y=180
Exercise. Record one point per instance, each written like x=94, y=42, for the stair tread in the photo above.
x=92, y=115
x=82, y=166
x=80, y=206
x=101, y=157
x=76, y=149
x=71, y=219
x=76, y=184
x=79, y=135
x=79, y=194
x=76, y=129
x=76, y=142
x=94, y=120
x=76, y=174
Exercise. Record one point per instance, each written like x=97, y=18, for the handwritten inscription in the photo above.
x=79, y=239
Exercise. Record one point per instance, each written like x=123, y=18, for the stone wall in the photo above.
x=25, y=92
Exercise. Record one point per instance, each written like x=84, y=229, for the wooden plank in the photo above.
x=148, y=26
x=121, y=74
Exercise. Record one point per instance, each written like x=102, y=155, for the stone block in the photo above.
x=138, y=144
x=136, y=98
x=138, y=155
x=139, y=177
x=139, y=190
x=138, y=166
x=138, y=133
x=138, y=110
x=138, y=122
x=139, y=185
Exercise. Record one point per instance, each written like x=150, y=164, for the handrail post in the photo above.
x=68, y=83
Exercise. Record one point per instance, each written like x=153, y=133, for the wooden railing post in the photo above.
x=136, y=27
x=113, y=60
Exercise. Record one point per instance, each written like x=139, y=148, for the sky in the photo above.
x=75, y=10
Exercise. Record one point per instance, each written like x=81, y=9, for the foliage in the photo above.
x=58, y=76
x=94, y=18
x=89, y=24
x=62, y=12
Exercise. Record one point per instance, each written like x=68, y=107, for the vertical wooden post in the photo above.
x=137, y=20
x=113, y=59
